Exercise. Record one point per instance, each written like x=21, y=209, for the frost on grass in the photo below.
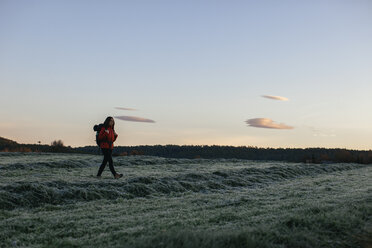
x=181, y=203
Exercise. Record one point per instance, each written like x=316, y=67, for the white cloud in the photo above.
x=279, y=98
x=134, y=118
x=266, y=123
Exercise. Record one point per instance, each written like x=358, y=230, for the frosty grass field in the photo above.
x=54, y=200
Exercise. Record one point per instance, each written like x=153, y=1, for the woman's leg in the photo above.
x=111, y=163
x=104, y=162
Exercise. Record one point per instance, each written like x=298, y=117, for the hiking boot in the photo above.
x=118, y=176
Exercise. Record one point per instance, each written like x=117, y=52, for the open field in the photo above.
x=55, y=200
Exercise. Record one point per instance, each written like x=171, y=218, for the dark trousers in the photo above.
x=107, y=157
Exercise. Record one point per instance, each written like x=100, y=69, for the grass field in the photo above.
x=55, y=200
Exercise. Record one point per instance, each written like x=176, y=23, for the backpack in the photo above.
x=97, y=129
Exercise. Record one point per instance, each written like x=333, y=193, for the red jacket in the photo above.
x=107, y=138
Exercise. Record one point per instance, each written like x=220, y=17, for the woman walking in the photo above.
x=107, y=136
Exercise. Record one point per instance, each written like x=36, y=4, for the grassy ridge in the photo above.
x=33, y=194
x=182, y=203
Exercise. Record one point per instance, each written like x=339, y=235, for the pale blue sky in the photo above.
x=198, y=68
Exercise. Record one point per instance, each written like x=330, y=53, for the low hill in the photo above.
x=7, y=145
x=4, y=142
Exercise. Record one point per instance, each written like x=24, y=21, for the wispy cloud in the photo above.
x=279, y=98
x=130, y=109
x=322, y=132
x=134, y=118
x=266, y=123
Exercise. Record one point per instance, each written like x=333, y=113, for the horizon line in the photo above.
x=247, y=146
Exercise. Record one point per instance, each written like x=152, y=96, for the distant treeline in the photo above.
x=309, y=155
x=7, y=145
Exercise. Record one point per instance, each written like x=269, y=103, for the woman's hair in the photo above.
x=107, y=121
